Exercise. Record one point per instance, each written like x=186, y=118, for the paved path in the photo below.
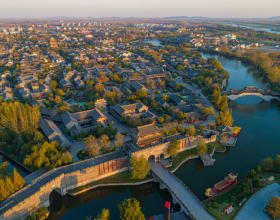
x=192, y=203
x=253, y=209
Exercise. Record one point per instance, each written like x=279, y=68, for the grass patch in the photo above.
x=181, y=156
x=217, y=145
x=123, y=177
x=217, y=205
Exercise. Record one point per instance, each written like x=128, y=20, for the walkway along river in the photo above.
x=259, y=139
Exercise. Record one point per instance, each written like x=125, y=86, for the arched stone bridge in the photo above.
x=251, y=90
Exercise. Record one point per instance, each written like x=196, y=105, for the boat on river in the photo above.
x=222, y=185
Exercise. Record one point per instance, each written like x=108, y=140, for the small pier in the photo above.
x=207, y=160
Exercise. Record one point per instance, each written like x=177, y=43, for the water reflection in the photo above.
x=90, y=203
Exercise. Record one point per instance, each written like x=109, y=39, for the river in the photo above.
x=259, y=139
x=12, y=165
x=254, y=28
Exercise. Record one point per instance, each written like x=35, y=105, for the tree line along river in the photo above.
x=259, y=139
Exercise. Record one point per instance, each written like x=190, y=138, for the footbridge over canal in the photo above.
x=189, y=203
x=251, y=90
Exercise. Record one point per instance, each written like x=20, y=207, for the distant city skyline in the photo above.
x=141, y=9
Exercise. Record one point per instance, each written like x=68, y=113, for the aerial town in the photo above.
x=139, y=119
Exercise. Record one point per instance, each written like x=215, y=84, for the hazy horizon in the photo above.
x=143, y=9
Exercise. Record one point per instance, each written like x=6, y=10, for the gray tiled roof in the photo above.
x=145, y=130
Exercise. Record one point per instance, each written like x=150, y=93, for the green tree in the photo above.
x=139, y=167
x=251, y=174
x=180, y=116
x=160, y=120
x=201, y=147
x=258, y=169
x=130, y=210
x=207, y=111
x=123, y=119
x=267, y=164
x=141, y=93
x=53, y=85
x=223, y=104
x=245, y=187
x=190, y=131
x=256, y=182
x=273, y=207
x=18, y=180
x=173, y=148
x=180, y=67
x=276, y=163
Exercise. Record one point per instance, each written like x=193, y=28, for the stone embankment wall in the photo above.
x=61, y=179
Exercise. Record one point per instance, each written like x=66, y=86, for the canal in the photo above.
x=259, y=139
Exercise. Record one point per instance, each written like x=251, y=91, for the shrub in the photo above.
x=239, y=195
x=233, y=198
x=215, y=205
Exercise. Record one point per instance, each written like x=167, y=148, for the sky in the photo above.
x=139, y=8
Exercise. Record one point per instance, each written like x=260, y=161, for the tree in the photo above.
x=258, y=169
x=98, y=88
x=9, y=185
x=20, y=118
x=256, y=182
x=245, y=187
x=180, y=67
x=119, y=140
x=53, y=85
x=217, y=98
x=104, y=141
x=160, y=120
x=223, y=104
x=276, y=163
x=273, y=207
x=141, y=93
x=123, y=119
x=190, y=131
x=173, y=148
x=139, y=167
x=180, y=116
x=201, y=147
x=105, y=215
x=251, y=174
x=207, y=111
x=267, y=164
x=3, y=191
x=167, y=118
x=130, y=209
x=18, y=181
x=92, y=145
x=224, y=118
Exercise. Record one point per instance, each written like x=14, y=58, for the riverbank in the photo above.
x=234, y=196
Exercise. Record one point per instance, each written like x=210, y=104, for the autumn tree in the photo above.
x=119, y=140
x=180, y=116
x=139, y=167
x=9, y=185
x=105, y=215
x=104, y=141
x=3, y=191
x=130, y=209
x=141, y=93
x=223, y=104
x=160, y=120
x=207, y=111
x=20, y=118
x=224, y=117
x=92, y=145
x=98, y=88
x=201, y=147
x=190, y=131
x=18, y=180
x=273, y=207
x=216, y=97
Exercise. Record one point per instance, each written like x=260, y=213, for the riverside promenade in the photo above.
x=180, y=193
